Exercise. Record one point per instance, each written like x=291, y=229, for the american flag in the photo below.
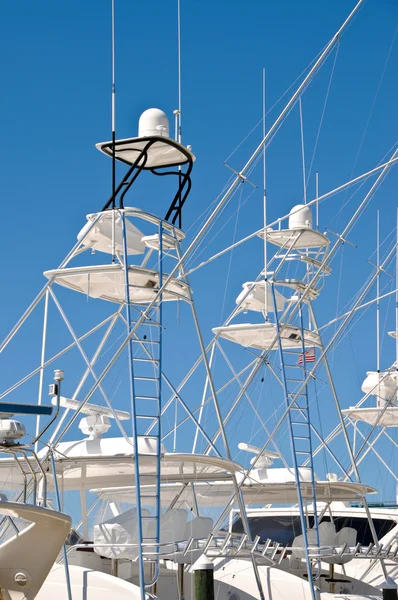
x=309, y=356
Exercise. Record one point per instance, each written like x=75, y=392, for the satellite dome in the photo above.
x=153, y=122
x=300, y=217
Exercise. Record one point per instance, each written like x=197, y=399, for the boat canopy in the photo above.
x=108, y=462
x=162, y=151
x=218, y=493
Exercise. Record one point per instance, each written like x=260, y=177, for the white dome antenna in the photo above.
x=300, y=217
x=153, y=122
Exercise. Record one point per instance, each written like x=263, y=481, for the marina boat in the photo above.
x=27, y=519
x=166, y=501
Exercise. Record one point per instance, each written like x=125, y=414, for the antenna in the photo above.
x=396, y=298
x=113, y=108
x=179, y=132
x=302, y=149
x=265, y=207
x=378, y=300
x=177, y=113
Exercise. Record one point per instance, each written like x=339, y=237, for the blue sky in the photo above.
x=55, y=104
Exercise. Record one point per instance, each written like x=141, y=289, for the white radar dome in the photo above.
x=300, y=217
x=153, y=122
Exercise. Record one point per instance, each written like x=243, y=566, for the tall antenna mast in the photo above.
x=302, y=151
x=265, y=207
x=177, y=113
x=113, y=108
x=396, y=298
x=378, y=300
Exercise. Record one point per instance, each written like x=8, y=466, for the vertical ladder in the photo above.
x=145, y=372
x=298, y=419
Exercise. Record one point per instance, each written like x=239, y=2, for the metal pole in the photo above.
x=58, y=500
x=42, y=360
x=265, y=204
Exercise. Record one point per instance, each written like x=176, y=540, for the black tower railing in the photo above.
x=174, y=212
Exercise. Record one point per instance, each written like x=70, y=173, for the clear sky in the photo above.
x=55, y=105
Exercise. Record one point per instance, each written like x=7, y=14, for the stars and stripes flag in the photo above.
x=309, y=356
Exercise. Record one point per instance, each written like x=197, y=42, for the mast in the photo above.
x=113, y=108
x=113, y=102
x=378, y=302
x=265, y=206
x=396, y=298
x=302, y=151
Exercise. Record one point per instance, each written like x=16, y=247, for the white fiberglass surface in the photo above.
x=374, y=416
x=107, y=282
x=106, y=235
x=160, y=154
x=262, y=336
x=297, y=238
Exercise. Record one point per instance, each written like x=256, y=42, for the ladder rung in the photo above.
x=147, y=417
x=146, y=360
x=139, y=341
x=146, y=397
x=147, y=453
x=142, y=378
x=300, y=437
x=303, y=452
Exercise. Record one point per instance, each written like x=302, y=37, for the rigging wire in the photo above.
x=237, y=212
x=371, y=111
x=302, y=150
x=323, y=112
x=307, y=68
x=113, y=100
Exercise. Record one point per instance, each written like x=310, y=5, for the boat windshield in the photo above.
x=284, y=528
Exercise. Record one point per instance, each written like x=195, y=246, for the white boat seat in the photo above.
x=328, y=538
x=347, y=535
x=198, y=528
x=172, y=528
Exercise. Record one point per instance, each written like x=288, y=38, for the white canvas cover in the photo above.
x=122, y=530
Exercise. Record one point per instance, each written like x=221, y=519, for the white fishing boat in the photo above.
x=167, y=499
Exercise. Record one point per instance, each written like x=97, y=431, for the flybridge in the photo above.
x=152, y=150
